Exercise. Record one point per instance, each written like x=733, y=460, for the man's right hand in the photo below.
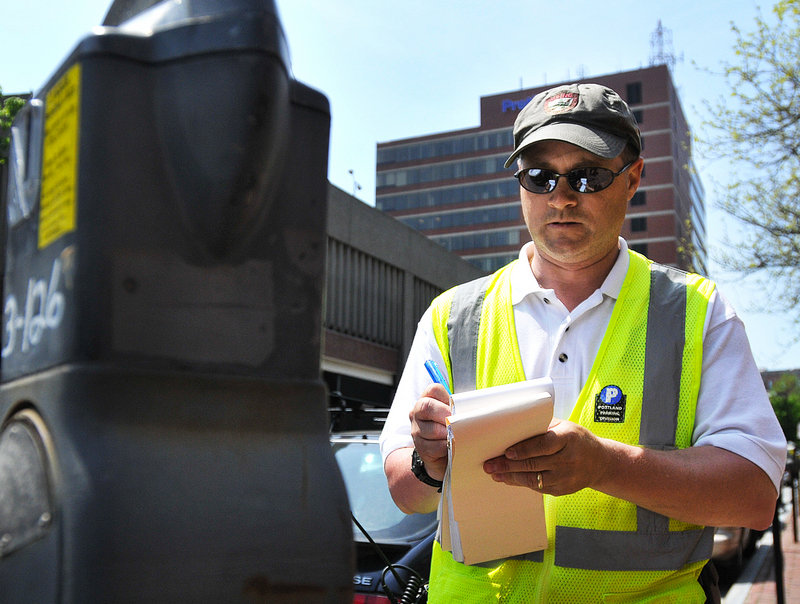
x=429, y=431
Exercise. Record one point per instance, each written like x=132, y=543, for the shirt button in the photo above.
x=563, y=357
x=547, y=300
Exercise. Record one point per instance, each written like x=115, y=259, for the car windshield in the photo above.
x=370, y=501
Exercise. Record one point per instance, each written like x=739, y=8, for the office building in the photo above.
x=452, y=186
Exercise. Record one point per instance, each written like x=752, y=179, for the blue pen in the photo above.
x=436, y=375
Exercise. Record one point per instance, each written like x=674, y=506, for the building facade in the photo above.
x=381, y=276
x=452, y=186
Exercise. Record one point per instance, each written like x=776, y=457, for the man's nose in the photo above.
x=562, y=196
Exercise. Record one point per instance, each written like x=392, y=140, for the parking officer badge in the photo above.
x=609, y=405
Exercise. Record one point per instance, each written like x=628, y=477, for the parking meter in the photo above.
x=164, y=427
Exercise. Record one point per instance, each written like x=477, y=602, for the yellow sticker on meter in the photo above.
x=59, y=197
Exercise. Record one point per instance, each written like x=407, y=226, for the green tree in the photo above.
x=785, y=398
x=8, y=109
x=688, y=257
x=756, y=127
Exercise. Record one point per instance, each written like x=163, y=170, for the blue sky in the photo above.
x=398, y=69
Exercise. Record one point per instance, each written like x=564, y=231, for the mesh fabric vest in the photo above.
x=641, y=390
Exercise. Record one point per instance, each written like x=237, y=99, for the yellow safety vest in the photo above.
x=641, y=390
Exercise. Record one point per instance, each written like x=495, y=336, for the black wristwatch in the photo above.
x=418, y=468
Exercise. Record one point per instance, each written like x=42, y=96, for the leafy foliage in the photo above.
x=757, y=128
x=8, y=109
x=785, y=398
x=687, y=251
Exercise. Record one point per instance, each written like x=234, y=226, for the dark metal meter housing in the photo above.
x=163, y=423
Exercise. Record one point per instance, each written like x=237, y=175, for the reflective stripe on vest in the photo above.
x=607, y=549
x=463, y=325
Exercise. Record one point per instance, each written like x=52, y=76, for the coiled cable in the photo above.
x=415, y=591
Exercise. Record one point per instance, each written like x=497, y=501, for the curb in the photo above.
x=739, y=591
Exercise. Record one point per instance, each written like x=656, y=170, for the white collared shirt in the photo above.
x=733, y=410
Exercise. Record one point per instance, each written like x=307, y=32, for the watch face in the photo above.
x=416, y=463
x=418, y=466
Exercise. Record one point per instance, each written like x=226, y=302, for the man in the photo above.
x=662, y=425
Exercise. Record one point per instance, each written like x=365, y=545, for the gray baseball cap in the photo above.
x=588, y=115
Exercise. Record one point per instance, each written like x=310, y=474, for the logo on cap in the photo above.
x=609, y=405
x=561, y=102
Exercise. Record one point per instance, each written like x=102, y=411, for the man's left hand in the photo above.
x=563, y=460
x=703, y=485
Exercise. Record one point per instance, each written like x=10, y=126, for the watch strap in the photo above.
x=418, y=469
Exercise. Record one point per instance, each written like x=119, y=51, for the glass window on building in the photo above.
x=469, y=143
x=475, y=241
x=492, y=263
x=639, y=198
x=639, y=247
x=638, y=224
x=633, y=91
x=506, y=188
x=479, y=216
x=440, y=172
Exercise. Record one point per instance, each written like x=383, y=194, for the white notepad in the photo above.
x=481, y=519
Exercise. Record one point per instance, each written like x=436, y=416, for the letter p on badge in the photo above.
x=609, y=405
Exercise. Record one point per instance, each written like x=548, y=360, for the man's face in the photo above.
x=571, y=229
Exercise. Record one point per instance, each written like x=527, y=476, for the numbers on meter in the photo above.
x=42, y=309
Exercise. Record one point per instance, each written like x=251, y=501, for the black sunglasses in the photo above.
x=581, y=180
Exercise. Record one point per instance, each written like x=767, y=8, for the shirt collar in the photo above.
x=523, y=283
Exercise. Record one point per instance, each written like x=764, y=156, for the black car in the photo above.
x=393, y=549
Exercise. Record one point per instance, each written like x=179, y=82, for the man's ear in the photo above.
x=634, y=175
